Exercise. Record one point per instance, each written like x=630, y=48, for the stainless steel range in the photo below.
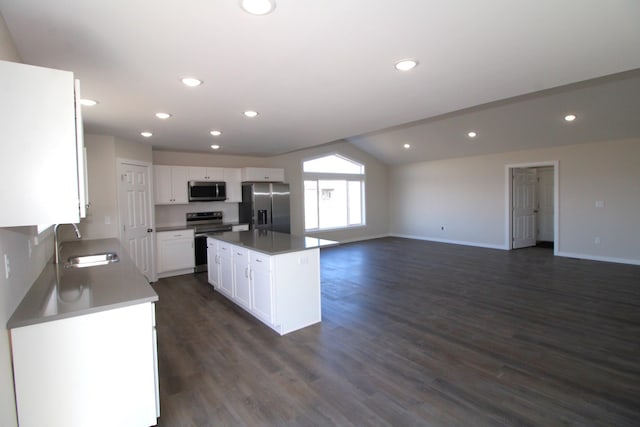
x=203, y=223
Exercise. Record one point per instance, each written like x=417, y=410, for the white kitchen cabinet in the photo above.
x=233, y=179
x=175, y=252
x=41, y=162
x=171, y=184
x=242, y=288
x=263, y=174
x=225, y=256
x=213, y=263
x=197, y=173
x=261, y=287
x=98, y=369
x=281, y=290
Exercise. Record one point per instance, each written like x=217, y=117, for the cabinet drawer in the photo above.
x=172, y=235
x=225, y=249
x=259, y=261
x=241, y=253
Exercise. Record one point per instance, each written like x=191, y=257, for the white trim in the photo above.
x=119, y=162
x=599, y=258
x=508, y=244
x=359, y=239
x=453, y=242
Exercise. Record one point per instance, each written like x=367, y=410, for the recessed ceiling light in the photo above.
x=146, y=134
x=570, y=117
x=191, y=81
x=163, y=116
x=407, y=145
x=472, y=134
x=258, y=7
x=406, y=64
x=215, y=133
x=215, y=146
x=250, y=113
x=88, y=102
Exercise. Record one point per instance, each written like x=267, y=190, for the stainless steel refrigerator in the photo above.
x=265, y=206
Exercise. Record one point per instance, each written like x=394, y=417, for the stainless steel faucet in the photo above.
x=56, y=245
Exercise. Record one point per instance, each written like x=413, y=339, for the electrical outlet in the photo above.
x=7, y=267
x=107, y=220
x=599, y=203
x=596, y=240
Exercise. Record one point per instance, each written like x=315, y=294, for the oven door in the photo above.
x=201, y=252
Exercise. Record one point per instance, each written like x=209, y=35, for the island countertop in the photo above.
x=271, y=242
x=60, y=293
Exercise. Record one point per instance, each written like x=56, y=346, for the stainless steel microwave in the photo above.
x=207, y=191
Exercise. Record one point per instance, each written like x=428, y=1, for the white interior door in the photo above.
x=134, y=194
x=545, y=204
x=524, y=207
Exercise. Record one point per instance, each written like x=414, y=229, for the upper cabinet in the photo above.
x=197, y=173
x=263, y=174
x=41, y=160
x=234, y=185
x=171, y=184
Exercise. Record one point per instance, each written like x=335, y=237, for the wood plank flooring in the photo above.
x=413, y=334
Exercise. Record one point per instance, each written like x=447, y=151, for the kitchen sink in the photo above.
x=82, y=261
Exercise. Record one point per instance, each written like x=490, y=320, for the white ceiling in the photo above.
x=320, y=71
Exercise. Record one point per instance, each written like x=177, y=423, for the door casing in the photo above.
x=509, y=201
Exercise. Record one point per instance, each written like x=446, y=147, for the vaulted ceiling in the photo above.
x=321, y=71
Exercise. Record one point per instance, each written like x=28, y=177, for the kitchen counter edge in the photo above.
x=113, y=286
x=272, y=242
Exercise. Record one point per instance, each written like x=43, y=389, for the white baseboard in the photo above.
x=454, y=242
x=599, y=258
x=361, y=239
x=174, y=273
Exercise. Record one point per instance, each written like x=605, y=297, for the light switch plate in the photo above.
x=599, y=203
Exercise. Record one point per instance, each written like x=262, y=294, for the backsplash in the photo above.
x=174, y=215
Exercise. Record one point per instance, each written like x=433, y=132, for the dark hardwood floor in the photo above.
x=413, y=333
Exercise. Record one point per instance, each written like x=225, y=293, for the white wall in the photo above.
x=376, y=179
x=376, y=186
x=467, y=196
x=14, y=242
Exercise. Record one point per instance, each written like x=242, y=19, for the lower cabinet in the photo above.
x=98, y=369
x=282, y=291
x=174, y=252
x=262, y=287
x=226, y=268
x=213, y=263
x=242, y=288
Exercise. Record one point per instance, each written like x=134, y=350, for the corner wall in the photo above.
x=15, y=243
x=468, y=197
x=376, y=191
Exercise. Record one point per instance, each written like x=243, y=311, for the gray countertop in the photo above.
x=184, y=227
x=271, y=242
x=60, y=293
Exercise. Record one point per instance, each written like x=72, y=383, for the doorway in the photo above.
x=136, y=214
x=532, y=205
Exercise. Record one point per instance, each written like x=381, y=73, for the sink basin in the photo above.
x=82, y=261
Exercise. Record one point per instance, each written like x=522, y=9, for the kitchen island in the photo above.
x=83, y=343
x=273, y=276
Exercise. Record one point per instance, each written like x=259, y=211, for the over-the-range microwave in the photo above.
x=207, y=191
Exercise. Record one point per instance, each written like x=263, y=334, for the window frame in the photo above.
x=327, y=176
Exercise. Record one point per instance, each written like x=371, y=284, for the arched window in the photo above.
x=333, y=193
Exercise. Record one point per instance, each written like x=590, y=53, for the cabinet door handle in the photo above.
x=246, y=272
x=250, y=274
x=258, y=260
